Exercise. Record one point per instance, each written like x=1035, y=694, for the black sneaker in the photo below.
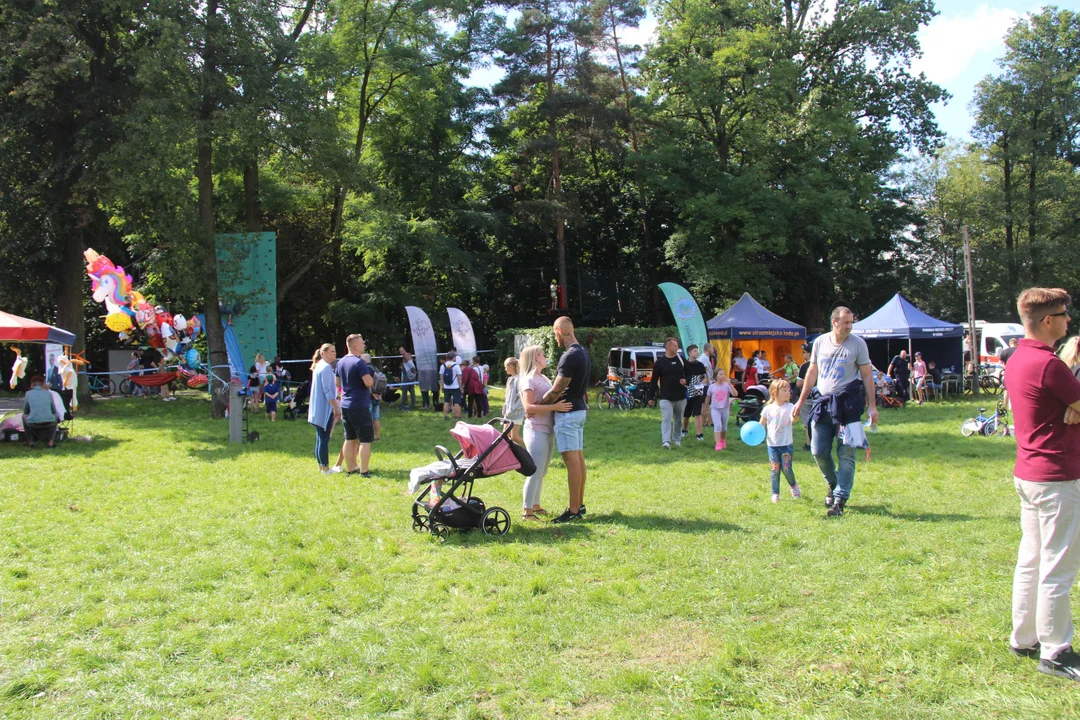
x=701, y=438
x=567, y=516
x=684, y=433
x=828, y=499
x=1028, y=652
x=581, y=510
x=1065, y=664
x=837, y=508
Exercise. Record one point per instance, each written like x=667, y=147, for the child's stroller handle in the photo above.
x=440, y=451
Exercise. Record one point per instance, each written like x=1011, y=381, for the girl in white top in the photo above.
x=776, y=417
x=720, y=393
x=539, y=425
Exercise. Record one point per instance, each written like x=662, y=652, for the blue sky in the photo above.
x=960, y=47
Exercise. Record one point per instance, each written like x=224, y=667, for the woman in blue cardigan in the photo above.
x=324, y=408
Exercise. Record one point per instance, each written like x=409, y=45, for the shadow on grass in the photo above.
x=68, y=448
x=665, y=523
x=884, y=511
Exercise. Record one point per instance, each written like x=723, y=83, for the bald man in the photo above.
x=571, y=384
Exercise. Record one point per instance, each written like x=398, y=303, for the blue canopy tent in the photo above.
x=749, y=326
x=900, y=325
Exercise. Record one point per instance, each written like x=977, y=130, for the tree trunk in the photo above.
x=1032, y=202
x=1010, y=237
x=204, y=173
x=556, y=177
x=70, y=291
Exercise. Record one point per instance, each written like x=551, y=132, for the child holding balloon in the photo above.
x=777, y=419
x=720, y=393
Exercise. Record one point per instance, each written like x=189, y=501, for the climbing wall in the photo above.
x=247, y=277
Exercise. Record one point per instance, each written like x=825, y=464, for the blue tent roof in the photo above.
x=748, y=320
x=900, y=319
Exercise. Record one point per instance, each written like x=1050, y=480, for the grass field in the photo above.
x=159, y=572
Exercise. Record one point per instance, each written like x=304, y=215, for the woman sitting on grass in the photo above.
x=539, y=426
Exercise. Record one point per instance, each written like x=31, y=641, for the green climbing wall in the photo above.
x=247, y=277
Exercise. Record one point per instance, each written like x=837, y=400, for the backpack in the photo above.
x=379, y=386
x=448, y=375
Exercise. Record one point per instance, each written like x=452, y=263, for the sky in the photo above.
x=960, y=47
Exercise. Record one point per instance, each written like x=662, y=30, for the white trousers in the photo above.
x=541, y=446
x=1046, y=565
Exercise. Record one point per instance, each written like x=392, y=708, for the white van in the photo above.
x=995, y=337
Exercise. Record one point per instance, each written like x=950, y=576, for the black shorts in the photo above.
x=358, y=425
x=452, y=396
x=693, y=406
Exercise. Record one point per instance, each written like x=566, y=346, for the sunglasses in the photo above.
x=1063, y=313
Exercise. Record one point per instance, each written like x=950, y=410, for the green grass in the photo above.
x=159, y=572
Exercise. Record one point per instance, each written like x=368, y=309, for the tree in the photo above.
x=777, y=128
x=65, y=85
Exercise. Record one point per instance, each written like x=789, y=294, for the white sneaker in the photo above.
x=333, y=470
x=667, y=446
x=776, y=497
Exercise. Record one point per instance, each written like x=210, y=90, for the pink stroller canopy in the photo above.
x=475, y=439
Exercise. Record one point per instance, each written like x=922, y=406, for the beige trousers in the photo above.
x=1046, y=565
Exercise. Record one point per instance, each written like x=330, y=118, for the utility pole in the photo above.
x=971, y=312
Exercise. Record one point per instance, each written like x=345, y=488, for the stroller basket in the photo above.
x=446, y=500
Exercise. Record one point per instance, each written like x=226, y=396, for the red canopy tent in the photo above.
x=15, y=329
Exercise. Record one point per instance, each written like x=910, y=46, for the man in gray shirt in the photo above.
x=837, y=359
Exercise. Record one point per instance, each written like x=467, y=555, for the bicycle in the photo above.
x=996, y=424
x=987, y=377
x=103, y=386
x=616, y=395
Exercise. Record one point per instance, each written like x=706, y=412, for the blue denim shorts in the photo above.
x=376, y=410
x=570, y=431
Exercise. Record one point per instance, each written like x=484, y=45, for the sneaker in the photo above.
x=829, y=497
x=335, y=469
x=1028, y=652
x=684, y=433
x=581, y=510
x=806, y=448
x=719, y=447
x=1065, y=664
x=837, y=508
x=567, y=516
x=796, y=492
x=776, y=497
x=723, y=444
x=667, y=446
x=678, y=444
x=701, y=438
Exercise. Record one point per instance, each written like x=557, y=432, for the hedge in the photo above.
x=597, y=340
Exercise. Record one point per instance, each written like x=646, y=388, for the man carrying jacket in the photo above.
x=837, y=362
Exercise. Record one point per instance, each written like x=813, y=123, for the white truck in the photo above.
x=992, y=339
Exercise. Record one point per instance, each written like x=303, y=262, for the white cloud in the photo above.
x=950, y=43
x=644, y=34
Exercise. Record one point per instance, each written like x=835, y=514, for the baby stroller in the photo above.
x=295, y=404
x=447, y=499
x=751, y=404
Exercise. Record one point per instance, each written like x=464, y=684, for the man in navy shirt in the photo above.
x=356, y=381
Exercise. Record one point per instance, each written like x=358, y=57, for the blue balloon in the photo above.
x=752, y=433
x=192, y=358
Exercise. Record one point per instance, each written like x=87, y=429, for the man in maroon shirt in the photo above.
x=1046, y=408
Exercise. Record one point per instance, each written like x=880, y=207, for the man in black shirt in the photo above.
x=671, y=375
x=571, y=384
x=900, y=370
x=1005, y=354
x=697, y=380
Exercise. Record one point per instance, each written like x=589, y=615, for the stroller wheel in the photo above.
x=440, y=531
x=495, y=521
x=419, y=523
